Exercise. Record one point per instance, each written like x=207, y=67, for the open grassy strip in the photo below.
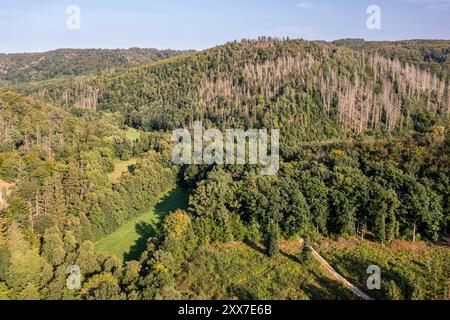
x=408, y=271
x=129, y=241
x=244, y=271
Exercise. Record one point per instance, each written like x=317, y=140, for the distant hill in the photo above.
x=310, y=90
x=365, y=154
x=431, y=55
x=29, y=124
x=27, y=67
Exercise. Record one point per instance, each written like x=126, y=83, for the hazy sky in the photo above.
x=30, y=25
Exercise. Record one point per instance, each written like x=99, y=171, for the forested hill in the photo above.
x=431, y=55
x=26, y=67
x=72, y=172
x=311, y=90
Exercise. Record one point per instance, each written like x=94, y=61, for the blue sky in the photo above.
x=30, y=25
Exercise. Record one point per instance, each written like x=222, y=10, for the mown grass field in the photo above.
x=408, y=271
x=130, y=240
x=243, y=271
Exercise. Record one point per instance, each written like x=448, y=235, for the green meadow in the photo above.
x=130, y=240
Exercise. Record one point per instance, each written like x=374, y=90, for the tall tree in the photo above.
x=272, y=240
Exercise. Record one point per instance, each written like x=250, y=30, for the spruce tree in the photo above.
x=306, y=252
x=272, y=240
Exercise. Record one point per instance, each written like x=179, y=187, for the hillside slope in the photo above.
x=27, y=67
x=78, y=174
x=310, y=90
x=431, y=55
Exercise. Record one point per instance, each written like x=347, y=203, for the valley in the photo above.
x=363, y=176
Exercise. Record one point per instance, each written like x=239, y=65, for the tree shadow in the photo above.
x=329, y=289
x=145, y=231
x=262, y=250
x=242, y=293
x=176, y=199
x=255, y=247
x=290, y=256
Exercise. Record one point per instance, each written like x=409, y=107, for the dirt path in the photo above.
x=340, y=278
x=325, y=264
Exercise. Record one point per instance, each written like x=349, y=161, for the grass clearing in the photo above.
x=408, y=271
x=130, y=240
x=243, y=271
x=120, y=167
x=133, y=134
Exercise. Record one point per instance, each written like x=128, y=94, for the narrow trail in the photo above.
x=340, y=278
x=327, y=266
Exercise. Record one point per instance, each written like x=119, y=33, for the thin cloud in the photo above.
x=431, y=4
x=308, y=5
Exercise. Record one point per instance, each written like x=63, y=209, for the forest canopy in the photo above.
x=365, y=157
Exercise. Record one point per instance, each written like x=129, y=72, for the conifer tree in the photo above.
x=306, y=252
x=272, y=240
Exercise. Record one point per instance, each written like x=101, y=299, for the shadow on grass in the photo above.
x=242, y=293
x=145, y=231
x=176, y=199
x=262, y=250
x=255, y=247
x=290, y=256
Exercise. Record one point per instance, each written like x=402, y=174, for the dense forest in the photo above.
x=313, y=91
x=28, y=67
x=365, y=145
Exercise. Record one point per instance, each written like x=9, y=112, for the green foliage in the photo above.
x=53, y=247
x=238, y=271
x=409, y=271
x=102, y=287
x=81, y=166
x=378, y=190
x=306, y=252
x=27, y=67
x=87, y=259
x=129, y=241
x=383, y=205
x=180, y=239
x=272, y=240
x=309, y=90
x=4, y=292
x=29, y=293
